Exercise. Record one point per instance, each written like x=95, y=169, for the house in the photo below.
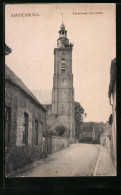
x=25, y=118
x=112, y=100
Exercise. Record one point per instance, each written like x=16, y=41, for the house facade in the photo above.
x=112, y=100
x=105, y=137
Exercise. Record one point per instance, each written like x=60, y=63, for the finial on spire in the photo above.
x=62, y=25
x=62, y=17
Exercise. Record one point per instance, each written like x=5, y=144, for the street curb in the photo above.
x=97, y=163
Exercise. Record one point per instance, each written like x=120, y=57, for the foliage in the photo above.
x=60, y=130
x=88, y=126
x=79, y=116
x=86, y=134
x=21, y=156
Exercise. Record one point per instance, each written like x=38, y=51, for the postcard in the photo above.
x=60, y=90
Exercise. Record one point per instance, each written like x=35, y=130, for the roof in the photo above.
x=44, y=96
x=62, y=27
x=11, y=76
x=7, y=50
x=112, y=76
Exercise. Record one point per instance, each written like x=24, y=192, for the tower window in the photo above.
x=63, y=61
x=63, y=70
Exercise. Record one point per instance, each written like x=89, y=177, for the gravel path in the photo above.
x=77, y=160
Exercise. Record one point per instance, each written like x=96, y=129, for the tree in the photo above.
x=79, y=116
x=88, y=126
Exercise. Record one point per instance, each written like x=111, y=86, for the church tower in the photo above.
x=63, y=91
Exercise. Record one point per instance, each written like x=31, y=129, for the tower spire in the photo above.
x=62, y=40
x=62, y=17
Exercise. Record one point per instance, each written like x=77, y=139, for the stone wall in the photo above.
x=55, y=144
x=59, y=143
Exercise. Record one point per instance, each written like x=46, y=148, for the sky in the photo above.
x=92, y=29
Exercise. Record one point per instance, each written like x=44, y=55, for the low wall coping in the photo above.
x=59, y=137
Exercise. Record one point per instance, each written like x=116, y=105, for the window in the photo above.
x=25, y=131
x=7, y=125
x=63, y=70
x=63, y=63
x=36, y=132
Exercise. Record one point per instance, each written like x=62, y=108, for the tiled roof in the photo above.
x=11, y=76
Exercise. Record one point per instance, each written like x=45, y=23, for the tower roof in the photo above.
x=62, y=27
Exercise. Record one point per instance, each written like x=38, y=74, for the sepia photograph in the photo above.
x=60, y=90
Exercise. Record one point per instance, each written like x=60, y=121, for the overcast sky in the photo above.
x=33, y=38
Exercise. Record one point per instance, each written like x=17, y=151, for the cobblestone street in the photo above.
x=77, y=160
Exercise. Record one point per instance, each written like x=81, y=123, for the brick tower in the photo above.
x=63, y=91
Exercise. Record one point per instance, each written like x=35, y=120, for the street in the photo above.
x=77, y=160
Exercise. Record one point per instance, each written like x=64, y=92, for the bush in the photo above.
x=60, y=130
x=21, y=156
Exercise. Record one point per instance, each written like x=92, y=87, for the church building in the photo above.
x=61, y=112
